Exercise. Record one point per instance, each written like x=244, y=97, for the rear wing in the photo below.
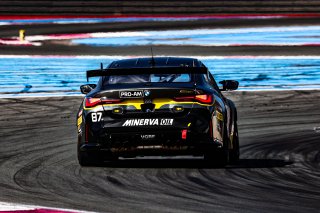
x=145, y=70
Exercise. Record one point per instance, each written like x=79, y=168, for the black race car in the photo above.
x=156, y=106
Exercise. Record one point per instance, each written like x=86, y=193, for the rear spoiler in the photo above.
x=145, y=70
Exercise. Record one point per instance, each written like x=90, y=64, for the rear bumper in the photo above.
x=190, y=134
x=151, y=150
x=153, y=143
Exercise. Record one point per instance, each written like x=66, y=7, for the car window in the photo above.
x=170, y=78
x=145, y=78
x=127, y=79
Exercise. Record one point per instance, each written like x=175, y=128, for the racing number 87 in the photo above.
x=96, y=116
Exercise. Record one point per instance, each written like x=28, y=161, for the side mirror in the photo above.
x=229, y=85
x=85, y=89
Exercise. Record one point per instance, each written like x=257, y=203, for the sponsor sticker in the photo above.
x=147, y=137
x=149, y=122
x=219, y=116
x=186, y=91
x=146, y=93
x=131, y=94
x=79, y=121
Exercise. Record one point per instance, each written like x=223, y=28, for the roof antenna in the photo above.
x=153, y=62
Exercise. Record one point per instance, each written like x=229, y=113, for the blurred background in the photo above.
x=46, y=46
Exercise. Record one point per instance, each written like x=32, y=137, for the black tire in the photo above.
x=95, y=158
x=220, y=156
x=235, y=152
x=88, y=159
x=217, y=158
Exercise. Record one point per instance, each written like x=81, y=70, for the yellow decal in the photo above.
x=79, y=122
x=219, y=115
x=186, y=91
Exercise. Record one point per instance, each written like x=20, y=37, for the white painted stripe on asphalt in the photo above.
x=316, y=129
x=4, y=206
x=17, y=42
x=169, y=33
x=84, y=35
x=14, y=207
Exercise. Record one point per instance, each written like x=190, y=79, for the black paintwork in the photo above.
x=110, y=137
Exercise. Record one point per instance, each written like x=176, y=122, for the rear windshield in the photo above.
x=147, y=78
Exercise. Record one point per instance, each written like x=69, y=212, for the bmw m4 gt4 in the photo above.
x=156, y=106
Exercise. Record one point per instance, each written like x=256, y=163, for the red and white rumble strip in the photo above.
x=21, y=208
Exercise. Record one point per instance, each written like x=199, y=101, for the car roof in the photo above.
x=156, y=62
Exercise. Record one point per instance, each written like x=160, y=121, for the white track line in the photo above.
x=4, y=206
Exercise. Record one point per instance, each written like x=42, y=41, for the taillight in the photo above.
x=92, y=102
x=184, y=134
x=184, y=99
x=204, y=99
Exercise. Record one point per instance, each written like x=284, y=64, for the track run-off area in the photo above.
x=278, y=170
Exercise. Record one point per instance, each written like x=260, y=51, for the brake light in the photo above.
x=92, y=102
x=204, y=99
x=184, y=99
x=184, y=134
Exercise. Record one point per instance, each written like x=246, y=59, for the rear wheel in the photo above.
x=220, y=156
x=95, y=158
x=217, y=158
x=88, y=159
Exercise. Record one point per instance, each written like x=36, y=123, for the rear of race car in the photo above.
x=167, y=118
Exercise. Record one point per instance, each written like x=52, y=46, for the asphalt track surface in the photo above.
x=279, y=168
